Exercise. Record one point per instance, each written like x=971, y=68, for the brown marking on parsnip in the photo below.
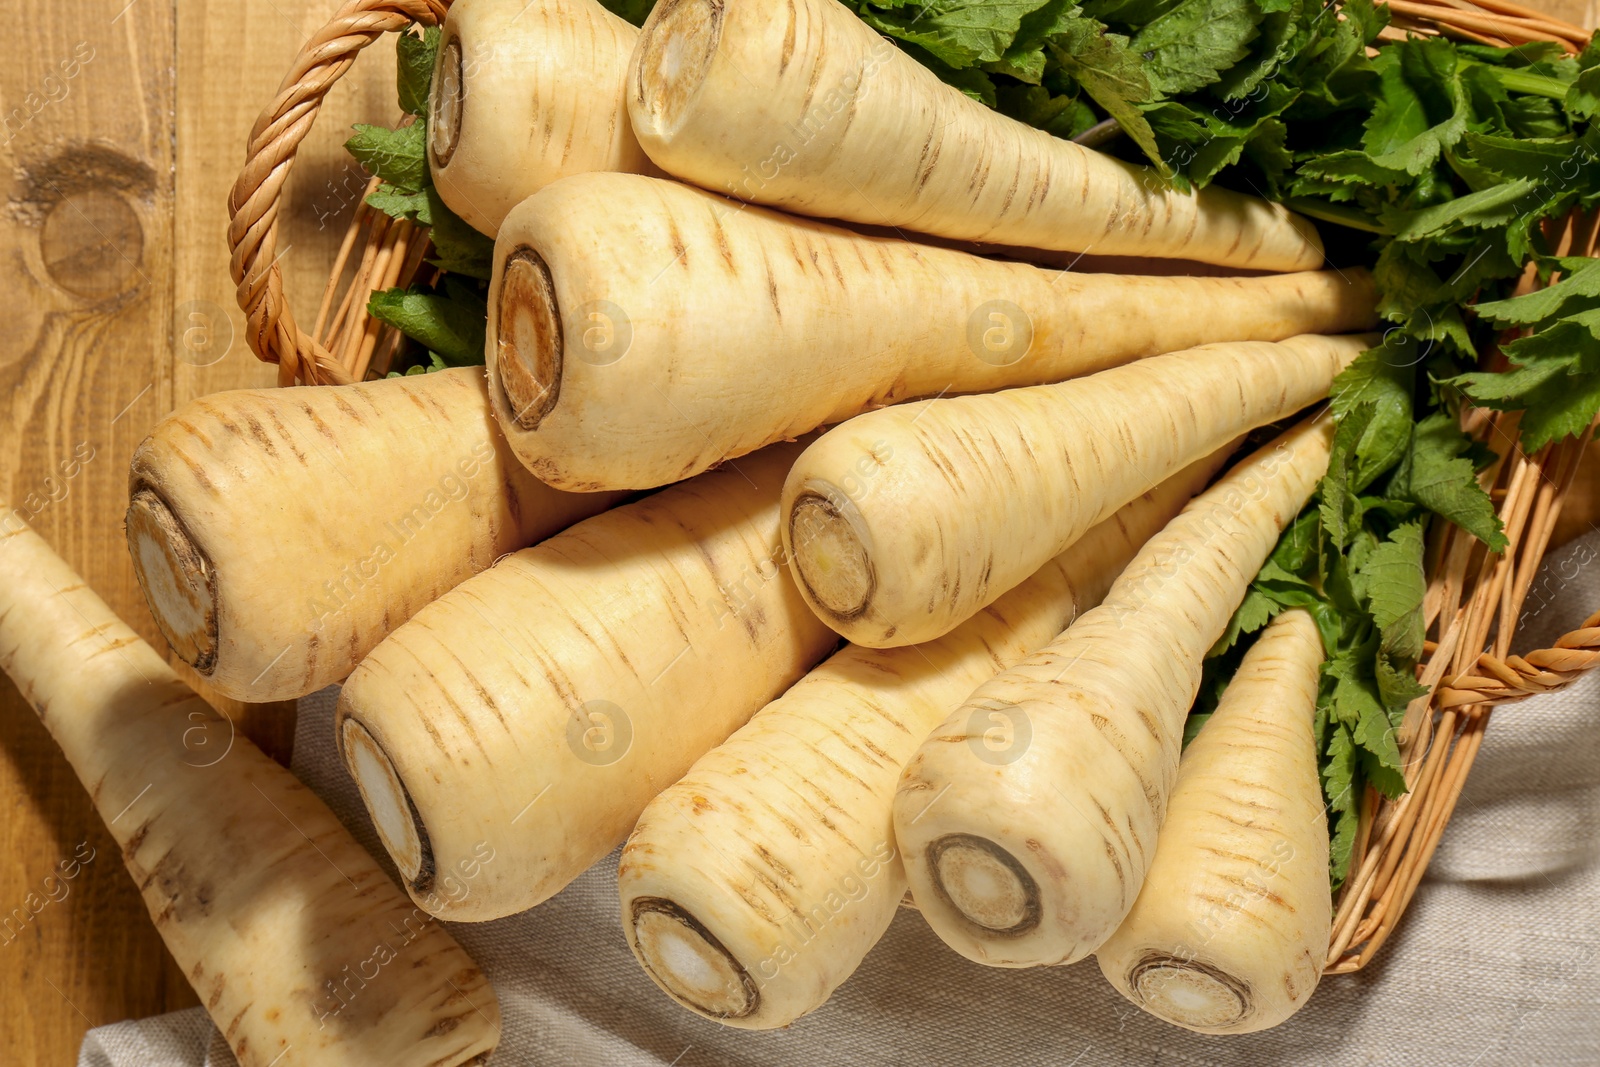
x=787, y=53
x=349, y=410
x=721, y=238
x=193, y=431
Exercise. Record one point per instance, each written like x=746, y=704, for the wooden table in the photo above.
x=123, y=124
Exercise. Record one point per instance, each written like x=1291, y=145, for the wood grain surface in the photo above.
x=122, y=127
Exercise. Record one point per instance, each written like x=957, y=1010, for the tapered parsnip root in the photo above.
x=903, y=522
x=297, y=943
x=279, y=534
x=756, y=885
x=525, y=92
x=696, y=331
x=539, y=706
x=802, y=106
x=1036, y=860
x=1230, y=929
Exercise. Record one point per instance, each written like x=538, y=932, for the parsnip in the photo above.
x=279, y=534
x=300, y=947
x=525, y=92
x=754, y=886
x=1230, y=930
x=542, y=704
x=803, y=106
x=695, y=332
x=903, y=522
x=1037, y=860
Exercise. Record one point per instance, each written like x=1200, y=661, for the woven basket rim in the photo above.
x=1473, y=594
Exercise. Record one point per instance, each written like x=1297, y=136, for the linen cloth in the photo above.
x=1495, y=962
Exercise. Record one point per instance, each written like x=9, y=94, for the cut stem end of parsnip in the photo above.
x=827, y=540
x=176, y=577
x=673, y=58
x=444, y=127
x=386, y=798
x=984, y=883
x=689, y=962
x=1188, y=992
x=528, y=348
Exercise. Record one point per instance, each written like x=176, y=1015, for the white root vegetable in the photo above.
x=803, y=106
x=279, y=534
x=757, y=884
x=540, y=705
x=903, y=522
x=301, y=949
x=525, y=92
x=1037, y=861
x=695, y=332
x=1230, y=930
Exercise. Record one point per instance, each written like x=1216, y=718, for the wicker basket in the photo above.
x=1474, y=596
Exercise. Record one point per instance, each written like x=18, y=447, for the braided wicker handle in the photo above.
x=253, y=204
x=1506, y=681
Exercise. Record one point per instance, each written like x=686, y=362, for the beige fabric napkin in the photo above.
x=1497, y=962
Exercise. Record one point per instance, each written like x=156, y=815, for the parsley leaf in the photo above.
x=397, y=156
x=415, y=69
x=449, y=324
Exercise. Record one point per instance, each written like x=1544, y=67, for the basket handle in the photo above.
x=253, y=204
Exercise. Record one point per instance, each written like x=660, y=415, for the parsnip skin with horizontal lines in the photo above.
x=295, y=940
x=903, y=522
x=758, y=883
x=802, y=106
x=525, y=92
x=280, y=534
x=1230, y=929
x=700, y=330
x=542, y=704
x=1037, y=861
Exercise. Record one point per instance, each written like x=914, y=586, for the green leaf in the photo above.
x=1495, y=206
x=415, y=68
x=1341, y=844
x=1422, y=107
x=1063, y=116
x=1193, y=725
x=959, y=33
x=1583, y=283
x=391, y=201
x=1436, y=474
x=1025, y=57
x=449, y=325
x=396, y=156
x=634, y=11
x=1521, y=157
x=1274, y=44
x=1113, y=76
x=1193, y=43
x=1583, y=98
x=1340, y=770
x=972, y=81
x=458, y=247
x=1358, y=706
x=1254, y=611
x=1395, y=583
x=1382, y=380
x=1352, y=167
